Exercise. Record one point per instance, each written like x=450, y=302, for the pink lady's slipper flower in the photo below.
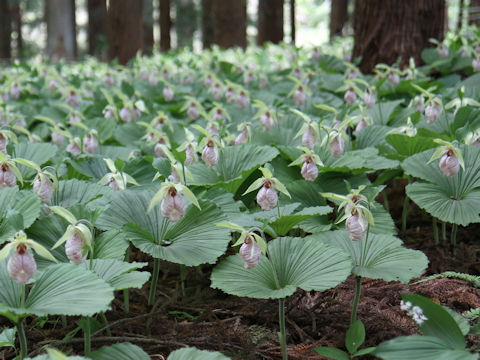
x=3, y=143
x=230, y=95
x=393, y=78
x=7, y=176
x=250, y=253
x=476, y=64
x=74, y=147
x=43, y=187
x=356, y=226
x=209, y=154
x=300, y=96
x=310, y=163
x=193, y=112
x=15, y=91
x=22, y=266
x=450, y=158
x=242, y=100
x=90, y=142
x=172, y=205
x=433, y=110
x=267, y=197
x=167, y=93
x=350, y=96
x=369, y=99
x=74, y=247
x=217, y=91
x=72, y=99
x=267, y=121
x=337, y=145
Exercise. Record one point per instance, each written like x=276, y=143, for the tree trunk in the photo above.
x=17, y=27
x=5, y=30
x=460, y=15
x=148, y=27
x=125, y=29
x=207, y=23
x=388, y=29
x=185, y=22
x=230, y=23
x=474, y=17
x=292, y=22
x=338, y=17
x=97, y=32
x=270, y=21
x=61, y=35
x=165, y=25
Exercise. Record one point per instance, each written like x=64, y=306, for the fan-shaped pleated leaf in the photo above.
x=6, y=197
x=193, y=353
x=62, y=289
x=382, y=111
x=225, y=201
x=39, y=153
x=384, y=256
x=73, y=192
x=420, y=348
x=433, y=199
x=452, y=199
x=192, y=241
x=456, y=185
x=119, y=274
x=372, y=135
x=364, y=159
x=234, y=166
x=28, y=204
x=410, y=145
x=111, y=244
x=293, y=263
x=383, y=221
x=121, y=351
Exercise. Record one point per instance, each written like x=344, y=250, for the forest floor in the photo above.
x=244, y=328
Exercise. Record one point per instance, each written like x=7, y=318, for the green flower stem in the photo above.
x=22, y=338
x=435, y=231
x=182, y=279
x=126, y=298
x=105, y=323
x=405, y=209
x=153, y=286
x=22, y=298
x=282, y=334
x=444, y=231
x=156, y=268
x=385, y=201
x=358, y=290
x=87, y=343
x=453, y=238
x=405, y=213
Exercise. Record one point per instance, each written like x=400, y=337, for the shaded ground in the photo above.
x=246, y=328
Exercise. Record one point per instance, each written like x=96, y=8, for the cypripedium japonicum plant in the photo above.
x=310, y=163
x=309, y=130
x=116, y=179
x=451, y=158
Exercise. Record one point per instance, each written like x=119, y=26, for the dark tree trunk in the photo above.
x=125, y=29
x=474, y=17
x=292, y=21
x=185, y=22
x=61, y=34
x=207, y=23
x=230, y=23
x=270, y=21
x=338, y=17
x=97, y=31
x=17, y=27
x=388, y=29
x=165, y=25
x=5, y=30
x=148, y=27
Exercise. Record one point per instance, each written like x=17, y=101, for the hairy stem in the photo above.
x=444, y=231
x=153, y=285
x=87, y=343
x=435, y=231
x=126, y=298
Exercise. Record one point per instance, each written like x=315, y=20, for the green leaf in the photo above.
x=382, y=111
x=62, y=289
x=410, y=145
x=355, y=336
x=437, y=202
x=235, y=164
x=39, y=153
x=420, y=348
x=6, y=196
x=120, y=275
x=73, y=192
x=385, y=258
x=191, y=241
x=194, y=353
x=439, y=322
x=121, y=351
x=111, y=244
x=28, y=204
x=293, y=263
x=7, y=337
x=332, y=353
